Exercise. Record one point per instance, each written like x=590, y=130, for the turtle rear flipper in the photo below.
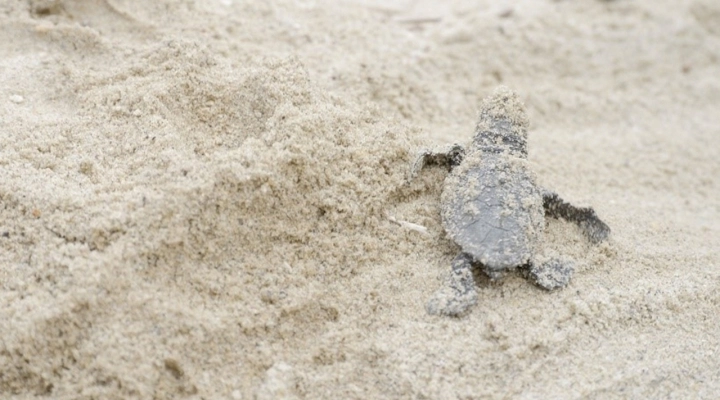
x=551, y=274
x=459, y=293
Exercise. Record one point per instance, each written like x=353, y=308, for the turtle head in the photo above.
x=502, y=125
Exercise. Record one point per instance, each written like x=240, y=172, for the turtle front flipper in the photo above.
x=449, y=156
x=459, y=293
x=585, y=217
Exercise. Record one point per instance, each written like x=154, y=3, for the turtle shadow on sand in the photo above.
x=492, y=207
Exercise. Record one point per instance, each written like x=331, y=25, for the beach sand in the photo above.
x=208, y=199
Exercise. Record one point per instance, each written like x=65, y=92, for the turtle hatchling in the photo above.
x=493, y=209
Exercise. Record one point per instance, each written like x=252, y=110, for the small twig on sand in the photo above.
x=409, y=225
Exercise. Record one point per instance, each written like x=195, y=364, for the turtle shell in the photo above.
x=492, y=208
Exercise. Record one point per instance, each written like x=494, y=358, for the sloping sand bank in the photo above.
x=208, y=199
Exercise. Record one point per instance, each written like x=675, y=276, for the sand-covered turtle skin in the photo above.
x=492, y=207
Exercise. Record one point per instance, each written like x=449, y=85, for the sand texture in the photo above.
x=209, y=199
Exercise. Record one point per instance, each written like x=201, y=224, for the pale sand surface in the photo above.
x=202, y=199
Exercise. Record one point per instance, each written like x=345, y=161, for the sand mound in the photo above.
x=187, y=180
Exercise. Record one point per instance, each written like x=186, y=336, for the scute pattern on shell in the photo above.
x=493, y=209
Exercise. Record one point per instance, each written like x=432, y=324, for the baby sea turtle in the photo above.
x=493, y=209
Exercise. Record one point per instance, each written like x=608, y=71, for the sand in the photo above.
x=208, y=199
